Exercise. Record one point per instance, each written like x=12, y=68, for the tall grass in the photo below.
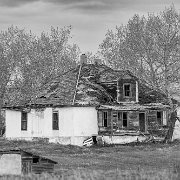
x=99, y=175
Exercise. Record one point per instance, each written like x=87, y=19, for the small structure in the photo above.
x=17, y=161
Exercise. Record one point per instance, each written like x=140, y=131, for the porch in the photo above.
x=132, y=119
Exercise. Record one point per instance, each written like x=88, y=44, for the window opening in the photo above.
x=55, y=120
x=105, y=116
x=159, y=117
x=124, y=119
x=35, y=159
x=24, y=121
x=127, y=90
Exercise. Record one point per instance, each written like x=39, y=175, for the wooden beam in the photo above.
x=111, y=123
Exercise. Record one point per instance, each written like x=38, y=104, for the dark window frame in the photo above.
x=123, y=120
x=55, y=120
x=36, y=160
x=24, y=121
x=159, y=118
x=103, y=120
x=125, y=91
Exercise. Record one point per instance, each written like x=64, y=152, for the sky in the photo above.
x=90, y=19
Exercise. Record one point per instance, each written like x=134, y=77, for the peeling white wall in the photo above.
x=122, y=139
x=39, y=124
x=13, y=124
x=10, y=164
x=66, y=126
x=77, y=121
x=73, y=121
x=85, y=121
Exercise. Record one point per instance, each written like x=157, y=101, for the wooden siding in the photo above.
x=116, y=116
x=120, y=93
x=150, y=122
x=40, y=166
x=109, y=118
x=133, y=119
x=100, y=118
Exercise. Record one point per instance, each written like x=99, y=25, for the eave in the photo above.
x=135, y=107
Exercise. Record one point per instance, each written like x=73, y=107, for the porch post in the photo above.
x=111, y=123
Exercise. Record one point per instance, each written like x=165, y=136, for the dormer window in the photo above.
x=127, y=90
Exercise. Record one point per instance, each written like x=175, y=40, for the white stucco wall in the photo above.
x=10, y=164
x=76, y=124
x=39, y=124
x=66, y=126
x=73, y=122
x=77, y=121
x=85, y=121
x=13, y=124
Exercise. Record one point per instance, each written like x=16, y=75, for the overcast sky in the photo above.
x=90, y=19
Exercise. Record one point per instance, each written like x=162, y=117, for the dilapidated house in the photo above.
x=90, y=100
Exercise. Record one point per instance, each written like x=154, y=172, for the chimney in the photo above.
x=97, y=61
x=83, y=59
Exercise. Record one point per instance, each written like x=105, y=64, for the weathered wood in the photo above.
x=173, y=118
x=111, y=123
x=45, y=167
x=42, y=165
x=120, y=95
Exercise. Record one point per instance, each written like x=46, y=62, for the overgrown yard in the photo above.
x=143, y=158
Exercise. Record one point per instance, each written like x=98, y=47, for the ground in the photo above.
x=154, y=156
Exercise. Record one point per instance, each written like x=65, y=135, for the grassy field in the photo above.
x=141, y=161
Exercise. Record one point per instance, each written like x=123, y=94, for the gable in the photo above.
x=126, y=76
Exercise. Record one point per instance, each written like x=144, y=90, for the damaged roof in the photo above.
x=134, y=107
x=19, y=151
x=91, y=88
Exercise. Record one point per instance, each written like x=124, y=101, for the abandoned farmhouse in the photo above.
x=89, y=101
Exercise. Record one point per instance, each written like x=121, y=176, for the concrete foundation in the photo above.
x=122, y=139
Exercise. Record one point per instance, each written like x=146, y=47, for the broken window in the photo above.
x=127, y=90
x=35, y=159
x=125, y=119
x=119, y=116
x=24, y=121
x=159, y=117
x=105, y=118
x=55, y=120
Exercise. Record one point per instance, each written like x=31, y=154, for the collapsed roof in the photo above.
x=91, y=84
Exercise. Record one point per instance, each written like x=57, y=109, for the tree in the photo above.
x=40, y=59
x=150, y=47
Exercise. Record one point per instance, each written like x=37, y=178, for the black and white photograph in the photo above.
x=90, y=89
